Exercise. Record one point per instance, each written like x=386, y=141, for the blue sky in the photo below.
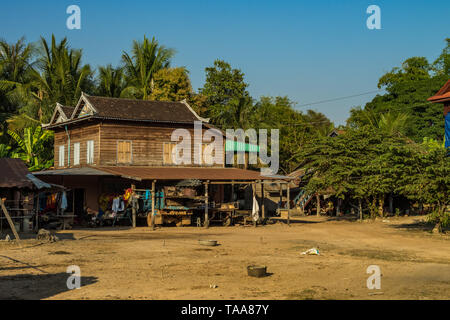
x=308, y=50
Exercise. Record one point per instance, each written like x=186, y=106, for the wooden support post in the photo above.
x=153, y=204
x=288, y=206
x=253, y=199
x=232, y=190
x=233, y=198
x=206, y=224
x=11, y=224
x=133, y=204
x=263, y=197
x=281, y=195
x=318, y=204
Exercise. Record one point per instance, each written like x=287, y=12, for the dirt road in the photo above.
x=169, y=263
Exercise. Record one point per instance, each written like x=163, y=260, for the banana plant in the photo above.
x=31, y=147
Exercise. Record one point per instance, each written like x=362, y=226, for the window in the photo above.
x=76, y=154
x=207, y=159
x=167, y=152
x=61, y=156
x=90, y=152
x=124, y=151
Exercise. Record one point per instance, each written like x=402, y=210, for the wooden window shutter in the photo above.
x=124, y=151
x=127, y=151
x=167, y=152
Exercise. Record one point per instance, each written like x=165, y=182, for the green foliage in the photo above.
x=428, y=181
x=230, y=106
x=171, y=84
x=111, y=81
x=31, y=148
x=147, y=58
x=408, y=88
x=226, y=93
x=5, y=151
x=60, y=76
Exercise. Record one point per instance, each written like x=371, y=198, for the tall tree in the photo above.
x=61, y=76
x=408, y=88
x=147, y=57
x=16, y=64
x=111, y=81
x=225, y=90
x=171, y=84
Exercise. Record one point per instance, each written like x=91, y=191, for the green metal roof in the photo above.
x=233, y=146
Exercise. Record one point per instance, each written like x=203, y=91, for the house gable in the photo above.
x=61, y=114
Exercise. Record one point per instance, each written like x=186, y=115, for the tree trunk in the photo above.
x=360, y=210
x=391, y=204
x=318, y=204
x=380, y=207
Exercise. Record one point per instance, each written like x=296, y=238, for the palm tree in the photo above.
x=62, y=76
x=238, y=114
x=31, y=147
x=15, y=73
x=147, y=58
x=16, y=69
x=111, y=81
x=393, y=123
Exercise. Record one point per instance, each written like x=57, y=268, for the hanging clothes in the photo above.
x=255, y=210
x=127, y=194
x=121, y=205
x=63, y=201
x=115, y=205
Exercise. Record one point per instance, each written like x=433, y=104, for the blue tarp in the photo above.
x=447, y=130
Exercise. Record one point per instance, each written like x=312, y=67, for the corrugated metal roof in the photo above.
x=183, y=173
x=15, y=174
x=39, y=184
x=82, y=171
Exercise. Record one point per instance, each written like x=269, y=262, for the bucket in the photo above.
x=209, y=243
x=257, y=271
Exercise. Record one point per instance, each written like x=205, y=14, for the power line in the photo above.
x=375, y=112
x=304, y=123
x=340, y=98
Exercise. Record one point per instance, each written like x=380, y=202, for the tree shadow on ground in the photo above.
x=415, y=226
x=293, y=220
x=32, y=235
x=36, y=286
x=343, y=218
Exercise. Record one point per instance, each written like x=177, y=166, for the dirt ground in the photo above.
x=124, y=263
